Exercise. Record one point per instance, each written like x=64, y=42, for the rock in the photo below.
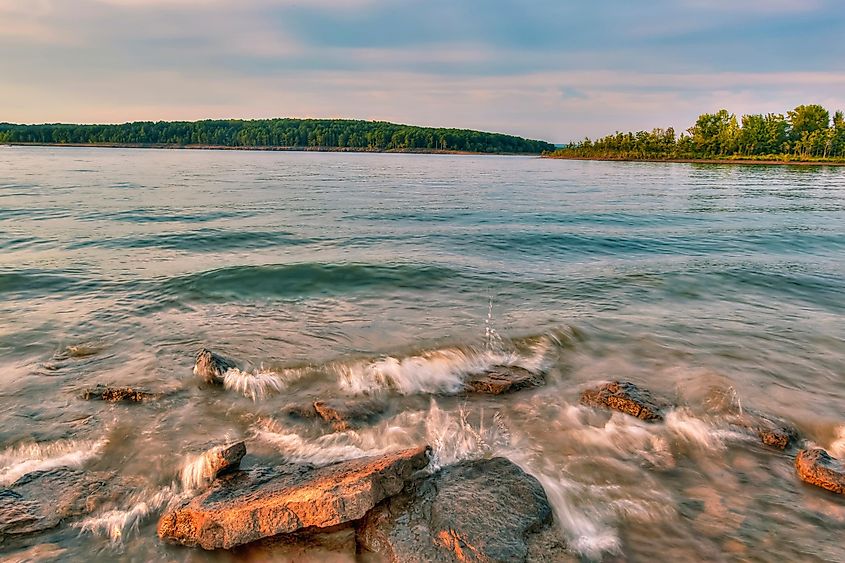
x=625, y=397
x=815, y=466
x=117, y=394
x=211, y=367
x=473, y=511
x=504, y=379
x=344, y=416
x=246, y=506
x=211, y=463
x=773, y=432
x=40, y=500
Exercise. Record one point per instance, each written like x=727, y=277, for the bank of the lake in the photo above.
x=750, y=161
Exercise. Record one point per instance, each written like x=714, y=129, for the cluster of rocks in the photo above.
x=813, y=465
x=486, y=510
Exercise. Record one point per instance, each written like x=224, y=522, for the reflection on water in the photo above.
x=331, y=276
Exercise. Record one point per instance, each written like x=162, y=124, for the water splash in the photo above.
x=434, y=371
x=17, y=461
x=254, y=385
x=118, y=524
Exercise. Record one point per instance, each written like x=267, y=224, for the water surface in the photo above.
x=335, y=275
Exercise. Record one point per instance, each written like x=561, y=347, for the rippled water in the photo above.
x=337, y=275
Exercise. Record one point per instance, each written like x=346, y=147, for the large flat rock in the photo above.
x=625, y=397
x=40, y=500
x=484, y=510
x=246, y=506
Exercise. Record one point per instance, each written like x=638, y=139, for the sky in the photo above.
x=556, y=70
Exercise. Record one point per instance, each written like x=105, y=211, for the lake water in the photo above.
x=330, y=275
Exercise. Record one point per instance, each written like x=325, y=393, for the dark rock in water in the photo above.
x=625, y=397
x=117, y=394
x=211, y=367
x=221, y=459
x=246, y=506
x=815, y=466
x=504, y=379
x=40, y=500
x=473, y=511
x=344, y=416
x=773, y=432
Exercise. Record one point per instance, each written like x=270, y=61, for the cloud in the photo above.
x=550, y=69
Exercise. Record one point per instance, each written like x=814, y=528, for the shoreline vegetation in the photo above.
x=274, y=134
x=807, y=135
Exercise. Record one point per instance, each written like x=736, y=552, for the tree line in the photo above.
x=288, y=133
x=808, y=132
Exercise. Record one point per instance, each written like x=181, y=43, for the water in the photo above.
x=339, y=275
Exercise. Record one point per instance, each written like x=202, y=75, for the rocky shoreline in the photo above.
x=394, y=506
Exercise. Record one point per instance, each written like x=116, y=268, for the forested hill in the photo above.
x=291, y=133
x=807, y=133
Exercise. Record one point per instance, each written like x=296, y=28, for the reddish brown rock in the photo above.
x=211, y=367
x=484, y=510
x=246, y=506
x=625, y=397
x=117, y=394
x=504, y=379
x=815, y=466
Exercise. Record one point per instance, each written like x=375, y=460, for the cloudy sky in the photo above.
x=551, y=69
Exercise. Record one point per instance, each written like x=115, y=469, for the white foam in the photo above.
x=118, y=524
x=255, y=385
x=41, y=456
x=837, y=447
x=683, y=425
x=435, y=371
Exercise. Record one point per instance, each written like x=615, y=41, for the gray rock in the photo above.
x=626, y=397
x=211, y=367
x=473, y=511
x=246, y=506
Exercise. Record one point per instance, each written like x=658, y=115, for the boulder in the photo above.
x=627, y=398
x=503, y=379
x=245, y=506
x=483, y=510
x=774, y=432
x=211, y=367
x=815, y=466
x=40, y=500
x=117, y=394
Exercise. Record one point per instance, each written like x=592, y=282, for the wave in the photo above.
x=119, y=523
x=39, y=282
x=200, y=240
x=297, y=280
x=258, y=384
x=435, y=371
x=17, y=461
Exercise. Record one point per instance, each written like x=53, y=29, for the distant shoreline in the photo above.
x=743, y=161
x=265, y=148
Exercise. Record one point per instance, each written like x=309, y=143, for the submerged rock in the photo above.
x=504, y=379
x=117, y=394
x=817, y=467
x=246, y=506
x=40, y=500
x=627, y=398
x=773, y=432
x=211, y=367
x=344, y=416
x=482, y=510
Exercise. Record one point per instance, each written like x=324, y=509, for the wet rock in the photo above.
x=773, y=432
x=211, y=367
x=211, y=463
x=625, y=397
x=504, y=379
x=817, y=467
x=246, y=506
x=40, y=500
x=117, y=394
x=473, y=511
x=344, y=416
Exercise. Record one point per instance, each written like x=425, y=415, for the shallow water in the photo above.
x=339, y=275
